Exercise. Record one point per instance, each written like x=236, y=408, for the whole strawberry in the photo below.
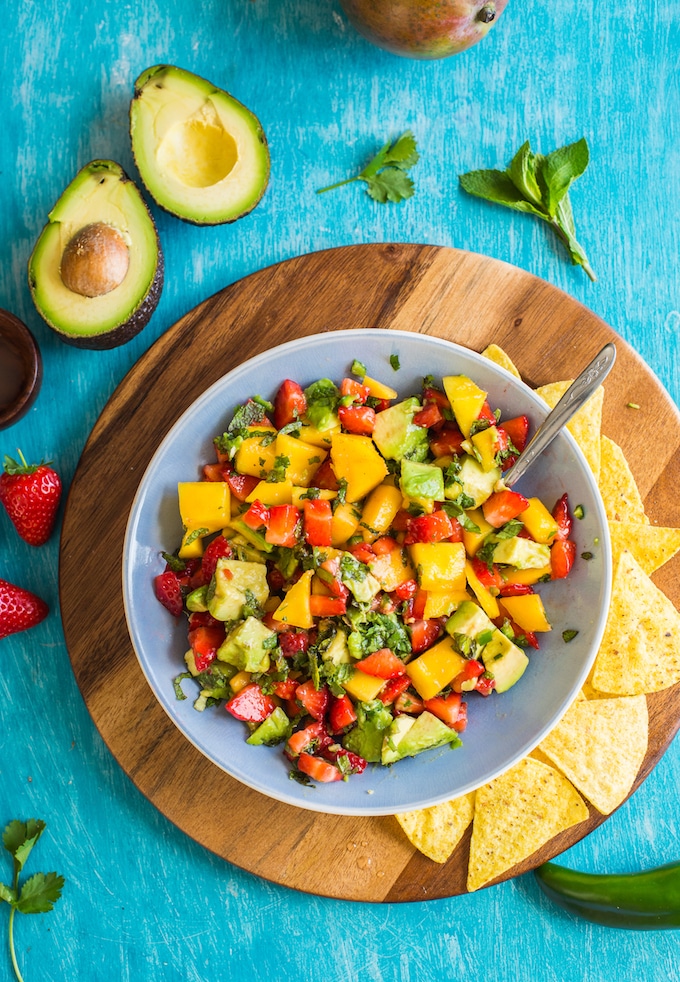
x=19, y=609
x=30, y=494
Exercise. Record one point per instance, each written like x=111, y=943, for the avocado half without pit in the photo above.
x=96, y=271
x=201, y=154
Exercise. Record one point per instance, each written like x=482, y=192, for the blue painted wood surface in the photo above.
x=143, y=902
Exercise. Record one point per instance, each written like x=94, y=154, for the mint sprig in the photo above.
x=40, y=892
x=538, y=185
x=385, y=174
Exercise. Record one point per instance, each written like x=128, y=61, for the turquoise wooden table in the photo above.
x=142, y=901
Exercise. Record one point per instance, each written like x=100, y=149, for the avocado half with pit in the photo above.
x=201, y=154
x=96, y=271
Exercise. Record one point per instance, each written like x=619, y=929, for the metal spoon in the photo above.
x=578, y=392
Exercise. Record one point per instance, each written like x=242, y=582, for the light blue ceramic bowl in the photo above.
x=501, y=729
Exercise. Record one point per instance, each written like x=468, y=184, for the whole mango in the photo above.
x=424, y=28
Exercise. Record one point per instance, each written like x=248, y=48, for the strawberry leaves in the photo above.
x=385, y=174
x=538, y=185
x=40, y=892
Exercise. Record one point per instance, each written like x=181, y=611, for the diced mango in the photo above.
x=378, y=513
x=527, y=612
x=466, y=400
x=538, y=521
x=378, y=389
x=318, y=438
x=344, y=523
x=272, y=493
x=251, y=457
x=239, y=681
x=392, y=568
x=357, y=461
x=486, y=444
x=363, y=687
x=435, y=668
x=487, y=602
x=300, y=495
x=192, y=545
x=304, y=459
x=473, y=540
x=526, y=576
x=294, y=608
x=204, y=504
x=439, y=565
x=441, y=603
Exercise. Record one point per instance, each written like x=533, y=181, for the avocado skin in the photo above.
x=139, y=86
x=139, y=317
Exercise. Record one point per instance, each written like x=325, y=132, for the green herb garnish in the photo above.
x=568, y=636
x=40, y=892
x=394, y=362
x=385, y=175
x=538, y=185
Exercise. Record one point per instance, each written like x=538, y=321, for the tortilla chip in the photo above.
x=651, y=545
x=497, y=355
x=516, y=814
x=436, y=831
x=584, y=425
x=640, y=650
x=599, y=746
x=620, y=495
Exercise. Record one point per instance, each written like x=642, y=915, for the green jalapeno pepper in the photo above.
x=646, y=901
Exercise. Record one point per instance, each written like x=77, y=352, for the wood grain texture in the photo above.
x=460, y=296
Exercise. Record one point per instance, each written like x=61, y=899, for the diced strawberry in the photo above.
x=409, y=702
x=358, y=392
x=205, y=641
x=310, y=738
x=241, y=485
x=362, y=551
x=315, y=701
x=465, y=680
x=284, y=521
x=394, y=688
x=325, y=478
x=503, y=506
x=257, y=515
x=219, y=548
x=406, y=590
x=419, y=601
x=436, y=527
x=293, y=642
x=289, y=403
x=168, y=590
x=341, y=713
x=445, y=708
x=430, y=415
x=202, y=618
x=486, y=413
x=447, y=441
x=384, y=545
x=318, y=769
x=317, y=522
x=382, y=664
x=516, y=589
x=357, y=419
x=285, y=689
x=562, y=516
x=490, y=578
x=424, y=634
x=518, y=431
x=324, y=606
x=562, y=556
x=485, y=685
x=251, y=704
x=213, y=472
x=357, y=764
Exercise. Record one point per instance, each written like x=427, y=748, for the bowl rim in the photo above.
x=538, y=404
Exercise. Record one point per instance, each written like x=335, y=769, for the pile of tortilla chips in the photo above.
x=595, y=752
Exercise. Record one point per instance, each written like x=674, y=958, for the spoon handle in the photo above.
x=578, y=392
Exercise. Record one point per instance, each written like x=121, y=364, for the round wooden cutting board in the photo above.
x=466, y=298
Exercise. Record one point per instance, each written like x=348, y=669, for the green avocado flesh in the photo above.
x=100, y=196
x=201, y=154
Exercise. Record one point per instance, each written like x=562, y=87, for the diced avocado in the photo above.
x=227, y=589
x=202, y=154
x=245, y=550
x=396, y=435
x=337, y=651
x=469, y=619
x=247, y=646
x=420, y=480
x=389, y=750
x=252, y=536
x=354, y=575
x=198, y=599
x=475, y=482
x=96, y=271
x=425, y=733
x=504, y=660
x=275, y=729
x=322, y=400
x=522, y=553
x=366, y=738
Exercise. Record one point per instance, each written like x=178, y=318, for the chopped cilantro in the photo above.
x=177, y=684
x=196, y=534
x=394, y=362
x=568, y=636
x=510, y=529
x=278, y=471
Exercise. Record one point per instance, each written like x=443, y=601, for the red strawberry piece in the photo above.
x=30, y=494
x=19, y=609
x=169, y=591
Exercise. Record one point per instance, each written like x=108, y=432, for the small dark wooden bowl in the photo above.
x=19, y=339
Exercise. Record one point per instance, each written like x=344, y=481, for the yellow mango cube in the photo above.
x=527, y=612
x=441, y=603
x=526, y=576
x=299, y=495
x=344, y=523
x=538, y=521
x=192, y=545
x=363, y=687
x=204, y=504
x=379, y=510
x=318, y=438
x=294, y=609
x=357, y=461
x=486, y=600
x=435, y=668
x=378, y=389
x=254, y=459
x=391, y=569
x=272, y=493
x=466, y=400
x=486, y=444
x=305, y=459
x=473, y=540
x=439, y=565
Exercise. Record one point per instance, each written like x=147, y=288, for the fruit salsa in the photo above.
x=352, y=567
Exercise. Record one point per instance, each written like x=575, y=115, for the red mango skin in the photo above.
x=425, y=29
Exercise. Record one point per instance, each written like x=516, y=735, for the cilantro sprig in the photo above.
x=538, y=185
x=386, y=175
x=39, y=892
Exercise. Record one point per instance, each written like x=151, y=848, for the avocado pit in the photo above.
x=95, y=260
